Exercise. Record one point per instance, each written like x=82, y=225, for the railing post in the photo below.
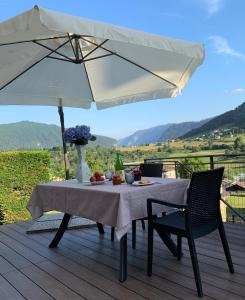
x=211, y=162
x=176, y=170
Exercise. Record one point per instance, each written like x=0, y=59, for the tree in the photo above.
x=239, y=144
x=188, y=165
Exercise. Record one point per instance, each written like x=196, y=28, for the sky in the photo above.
x=216, y=87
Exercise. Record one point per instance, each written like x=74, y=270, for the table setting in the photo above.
x=112, y=198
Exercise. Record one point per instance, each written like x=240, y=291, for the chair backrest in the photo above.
x=203, y=199
x=151, y=170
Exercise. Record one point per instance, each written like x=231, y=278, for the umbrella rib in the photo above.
x=132, y=62
x=93, y=58
x=86, y=72
x=187, y=67
x=44, y=46
x=58, y=58
x=70, y=40
x=37, y=62
x=29, y=41
x=98, y=46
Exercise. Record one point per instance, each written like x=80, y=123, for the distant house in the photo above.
x=237, y=186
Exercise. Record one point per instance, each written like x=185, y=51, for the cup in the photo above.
x=116, y=179
x=108, y=175
x=137, y=174
x=129, y=177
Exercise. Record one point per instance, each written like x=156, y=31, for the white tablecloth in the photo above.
x=115, y=205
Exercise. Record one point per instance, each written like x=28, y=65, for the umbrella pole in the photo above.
x=62, y=125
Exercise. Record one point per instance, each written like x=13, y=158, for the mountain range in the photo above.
x=231, y=119
x=31, y=135
x=160, y=133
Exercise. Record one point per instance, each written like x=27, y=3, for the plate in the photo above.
x=97, y=182
x=136, y=183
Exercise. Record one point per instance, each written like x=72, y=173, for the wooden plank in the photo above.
x=203, y=247
x=86, y=250
x=118, y=290
x=236, y=227
x=183, y=279
x=161, y=247
x=81, y=287
x=26, y=287
x=165, y=287
x=205, y=265
x=21, y=249
x=11, y=256
x=52, y=286
x=171, y=287
x=137, y=281
x=8, y=292
x=106, y=278
x=5, y=266
x=115, y=288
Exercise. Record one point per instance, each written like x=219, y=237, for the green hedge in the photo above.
x=20, y=171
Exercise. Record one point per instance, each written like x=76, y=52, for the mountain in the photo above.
x=31, y=135
x=159, y=133
x=230, y=119
x=150, y=135
x=176, y=130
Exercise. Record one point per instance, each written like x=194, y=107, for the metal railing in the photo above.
x=233, y=186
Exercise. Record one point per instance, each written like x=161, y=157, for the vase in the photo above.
x=82, y=172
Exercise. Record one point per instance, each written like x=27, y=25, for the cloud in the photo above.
x=236, y=91
x=213, y=6
x=221, y=46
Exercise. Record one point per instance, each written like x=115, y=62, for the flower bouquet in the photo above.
x=80, y=135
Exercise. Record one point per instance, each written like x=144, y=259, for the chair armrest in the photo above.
x=165, y=203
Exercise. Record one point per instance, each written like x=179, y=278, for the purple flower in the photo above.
x=70, y=135
x=79, y=135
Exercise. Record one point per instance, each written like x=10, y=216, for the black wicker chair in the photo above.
x=147, y=170
x=200, y=216
x=151, y=170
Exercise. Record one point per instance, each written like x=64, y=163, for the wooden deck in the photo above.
x=85, y=266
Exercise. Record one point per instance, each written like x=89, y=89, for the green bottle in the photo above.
x=119, y=163
x=119, y=167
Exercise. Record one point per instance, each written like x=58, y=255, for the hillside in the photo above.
x=31, y=135
x=159, y=133
x=230, y=119
x=146, y=136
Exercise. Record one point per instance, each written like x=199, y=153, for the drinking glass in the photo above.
x=129, y=177
x=108, y=175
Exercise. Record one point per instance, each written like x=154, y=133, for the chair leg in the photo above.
x=100, y=228
x=150, y=250
x=133, y=234
x=179, y=247
x=143, y=224
x=112, y=233
x=195, y=265
x=226, y=247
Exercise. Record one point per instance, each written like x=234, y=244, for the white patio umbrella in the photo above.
x=50, y=58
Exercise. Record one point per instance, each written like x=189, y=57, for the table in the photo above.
x=114, y=205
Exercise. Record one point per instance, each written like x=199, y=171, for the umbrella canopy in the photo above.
x=46, y=56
